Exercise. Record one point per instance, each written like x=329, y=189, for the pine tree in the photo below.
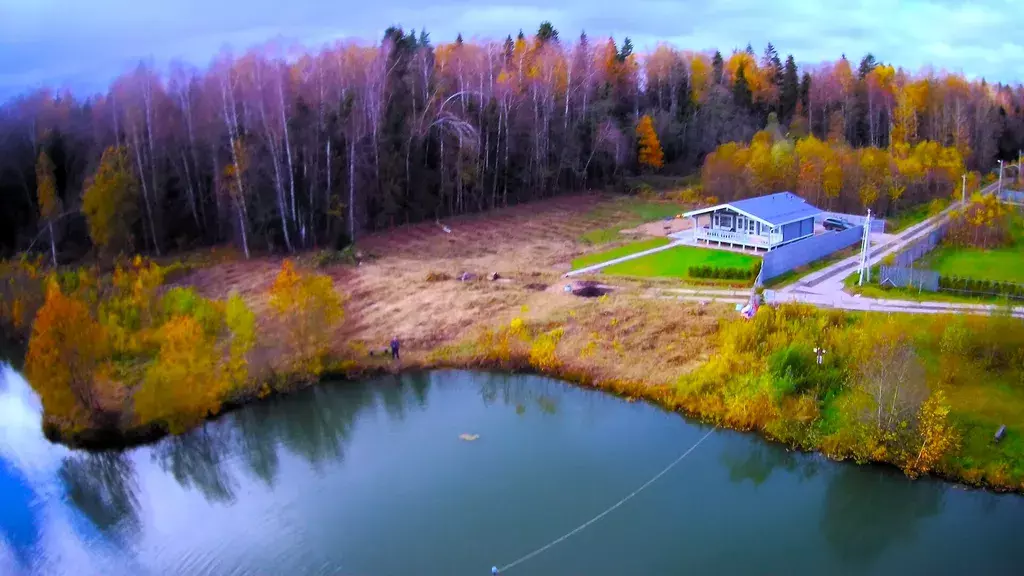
x=627, y=49
x=789, y=90
x=867, y=64
x=546, y=33
x=650, y=154
x=741, y=94
x=717, y=67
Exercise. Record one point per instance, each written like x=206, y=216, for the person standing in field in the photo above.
x=394, y=348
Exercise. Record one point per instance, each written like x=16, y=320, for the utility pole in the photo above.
x=865, y=247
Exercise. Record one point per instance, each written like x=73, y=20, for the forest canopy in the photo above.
x=281, y=152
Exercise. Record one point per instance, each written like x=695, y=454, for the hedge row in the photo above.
x=981, y=286
x=724, y=273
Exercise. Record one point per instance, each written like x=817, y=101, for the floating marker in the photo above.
x=494, y=570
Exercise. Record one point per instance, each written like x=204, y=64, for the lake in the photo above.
x=372, y=479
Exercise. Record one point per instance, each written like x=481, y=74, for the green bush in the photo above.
x=187, y=302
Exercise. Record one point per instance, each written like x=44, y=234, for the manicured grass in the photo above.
x=1002, y=264
x=676, y=262
x=606, y=255
x=873, y=290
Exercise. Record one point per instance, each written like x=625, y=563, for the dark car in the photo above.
x=835, y=224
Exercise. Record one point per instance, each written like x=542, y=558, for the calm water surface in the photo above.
x=372, y=479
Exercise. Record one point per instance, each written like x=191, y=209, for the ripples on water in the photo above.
x=371, y=479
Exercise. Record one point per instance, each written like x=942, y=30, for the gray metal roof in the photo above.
x=775, y=209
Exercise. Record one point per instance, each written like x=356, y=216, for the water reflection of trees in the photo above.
x=103, y=486
x=756, y=460
x=196, y=460
x=867, y=510
x=519, y=391
x=315, y=425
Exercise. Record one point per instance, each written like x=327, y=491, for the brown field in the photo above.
x=407, y=285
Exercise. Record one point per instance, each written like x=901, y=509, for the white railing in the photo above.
x=729, y=237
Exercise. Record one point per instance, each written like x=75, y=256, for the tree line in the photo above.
x=285, y=150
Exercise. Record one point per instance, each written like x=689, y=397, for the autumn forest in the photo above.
x=277, y=150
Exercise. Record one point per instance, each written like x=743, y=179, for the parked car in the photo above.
x=835, y=224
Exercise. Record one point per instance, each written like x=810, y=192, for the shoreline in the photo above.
x=101, y=440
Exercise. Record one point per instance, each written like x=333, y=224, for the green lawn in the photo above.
x=676, y=262
x=633, y=212
x=908, y=217
x=606, y=255
x=873, y=290
x=1003, y=264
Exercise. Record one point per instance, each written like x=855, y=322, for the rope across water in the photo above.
x=607, y=511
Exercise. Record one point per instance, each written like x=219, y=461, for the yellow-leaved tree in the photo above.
x=308, y=308
x=46, y=196
x=937, y=433
x=109, y=202
x=650, y=154
x=188, y=380
x=64, y=353
x=242, y=323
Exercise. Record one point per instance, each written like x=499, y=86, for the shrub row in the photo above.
x=981, y=286
x=717, y=273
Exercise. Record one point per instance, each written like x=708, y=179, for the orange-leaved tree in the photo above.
x=109, y=202
x=64, y=354
x=308, y=308
x=650, y=154
x=46, y=196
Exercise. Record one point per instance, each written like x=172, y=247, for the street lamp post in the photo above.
x=999, y=190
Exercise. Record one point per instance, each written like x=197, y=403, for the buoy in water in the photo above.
x=494, y=570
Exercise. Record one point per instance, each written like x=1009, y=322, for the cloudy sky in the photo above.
x=83, y=43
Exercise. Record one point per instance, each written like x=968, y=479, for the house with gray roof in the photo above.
x=764, y=223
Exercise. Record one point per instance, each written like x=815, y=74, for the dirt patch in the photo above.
x=661, y=227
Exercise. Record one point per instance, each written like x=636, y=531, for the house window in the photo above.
x=725, y=221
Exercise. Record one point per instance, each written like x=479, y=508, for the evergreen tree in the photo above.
x=770, y=61
x=805, y=90
x=789, y=89
x=867, y=64
x=717, y=67
x=546, y=33
x=749, y=49
x=741, y=94
x=627, y=49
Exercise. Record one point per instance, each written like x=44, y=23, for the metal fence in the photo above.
x=901, y=277
x=1012, y=196
x=877, y=224
x=918, y=248
x=802, y=252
